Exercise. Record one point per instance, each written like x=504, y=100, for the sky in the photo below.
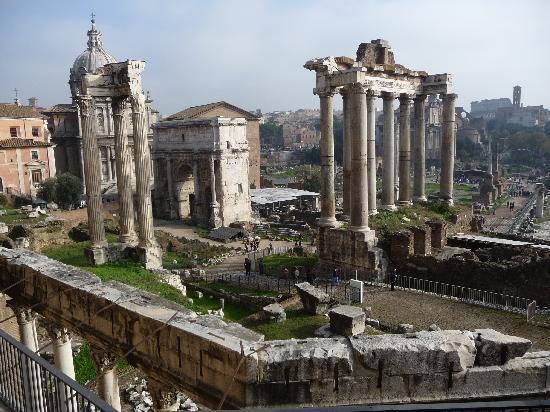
x=251, y=53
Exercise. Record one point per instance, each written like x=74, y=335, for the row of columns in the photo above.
x=123, y=162
x=360, y=158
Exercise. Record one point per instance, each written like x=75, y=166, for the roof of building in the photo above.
x=95, y=55
x=275, y=194
x=227, y=233
x=15, y=142
x=198, y=111
x=14, y=111
x=61, y=108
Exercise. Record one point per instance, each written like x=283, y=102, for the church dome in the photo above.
x=95, y=55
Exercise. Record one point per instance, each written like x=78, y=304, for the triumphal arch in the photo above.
x=375, y=74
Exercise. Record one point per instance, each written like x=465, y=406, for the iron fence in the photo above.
x=30, y=383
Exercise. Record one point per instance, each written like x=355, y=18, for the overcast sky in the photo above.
x=251, y=53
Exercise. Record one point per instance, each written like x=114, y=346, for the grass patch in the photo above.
x=275, y=264
x=13, y=216
x=231, y=288
x=202, y=232
x=84, y=366
x=298, y=325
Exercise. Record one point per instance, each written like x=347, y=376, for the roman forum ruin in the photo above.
x=360, y=81
x=121, y=82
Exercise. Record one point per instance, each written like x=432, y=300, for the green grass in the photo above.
x=298, y=325
x=84, y=367
x=202, y=232
x=181, y=262
x=12, y=216
x=275, y=264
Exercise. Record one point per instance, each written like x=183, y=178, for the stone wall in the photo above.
x=207, y=357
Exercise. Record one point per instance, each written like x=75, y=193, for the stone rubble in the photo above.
x=347, y=320
x=274, y=312
x=314, y=300
x=136, y=394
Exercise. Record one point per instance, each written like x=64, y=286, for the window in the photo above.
x=36, y=177
x=34, y=154
x=228, y=144
x=183, y=137
x=13, y=131
x=35, y=131
x=240, y=187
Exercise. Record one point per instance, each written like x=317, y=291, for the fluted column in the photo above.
x=107, y=379
x=359, y=178
x=62, y=350
x=539, y=205
x=404, y=150
x=26, y=320
x=214, y=205
x=171, y=198
x=371, y=150
x=123, y=163
x=328, y=208
x=388, y=199
x=92, y=174
x=396, y=155
x=419, y=190
x=448, y=148
x=142, y=157
x=109, y=171
x=346, y=152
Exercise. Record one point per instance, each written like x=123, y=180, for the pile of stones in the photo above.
x=137, y=395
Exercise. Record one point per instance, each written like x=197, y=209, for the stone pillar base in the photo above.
x=328, y=222
x=389, y=208
x=373, y=212
x=420, y=199
x=404, y=203
x=450, y=202
x=150, y=256
x=95, y=255
x=128, y=240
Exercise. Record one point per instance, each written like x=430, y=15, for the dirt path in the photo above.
x=422, y=310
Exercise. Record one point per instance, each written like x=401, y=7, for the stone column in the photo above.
x=359, y=178
x=107, y=379
x=404, y=150
x=388, y=166
x=109, y=171
x=448, y=148
x=396, y=157
x=214, y=205
x=539, y=205
x=123, y=163
x=95, y=255
x=328, y=208
x=172, y=213
x=163, y=396
x=371, y=150
x=419, y=191
x=26, y=320
x=149, y=252
x=62, y=350
x=347, y=152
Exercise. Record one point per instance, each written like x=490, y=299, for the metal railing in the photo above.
x=30, y=383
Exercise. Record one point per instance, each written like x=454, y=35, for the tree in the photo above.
x=68, y=189
x=466, y=149
x=47, y=189
x=271, y=134
x=312, y=180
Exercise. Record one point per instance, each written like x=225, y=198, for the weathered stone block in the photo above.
x=405, y=328
x=274, y=312
x=347, y=320
x=315, y=301
x=3, y=228
x=495, y=348
x=150, y=256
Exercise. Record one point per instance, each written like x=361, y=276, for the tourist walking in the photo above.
x=247, y=266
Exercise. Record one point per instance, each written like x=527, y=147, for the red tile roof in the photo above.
x=61, y=108
x=17, y=142
x=14, y=111
x=197, y=111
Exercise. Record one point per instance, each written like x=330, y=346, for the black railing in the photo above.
x=30, y=383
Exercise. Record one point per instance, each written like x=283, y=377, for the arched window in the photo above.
x=100, y=121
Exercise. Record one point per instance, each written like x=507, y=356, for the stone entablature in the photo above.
x=201, y=170
x=200, y=354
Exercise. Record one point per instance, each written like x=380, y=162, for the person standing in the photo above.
x=247, y=266
x=393, y=279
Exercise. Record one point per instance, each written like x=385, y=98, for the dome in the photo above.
x=95, y=55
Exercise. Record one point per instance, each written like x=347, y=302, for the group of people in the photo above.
x=510, y=205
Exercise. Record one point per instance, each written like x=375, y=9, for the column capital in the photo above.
x=372, y=94
x=448, y=96
x=344, y=92
x=86, y=104
x=138, y=102
x=358, y=88
x=23, y=314
x=388, y=95
x=327, y=92
x=58, y=333
x=405, y=98
x=119, y=105
x=103, y=359
x=420, y=98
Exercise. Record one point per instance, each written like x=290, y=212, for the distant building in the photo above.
x=26, y=153
x=296, y=138
x=224, y=109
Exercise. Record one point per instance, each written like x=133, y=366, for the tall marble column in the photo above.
x=149, y=252
x=107, y=379
x=62, y=350
x=388, y=200
x=359, y=178
x=404, y=150
x=371, y=150
x=109, y=171
x=346, y=152
x=448, y=148
x=328, y=208
x=92, y=173
x=171, y=199
x=123, y=163
x=396, y=157
x=419, y=190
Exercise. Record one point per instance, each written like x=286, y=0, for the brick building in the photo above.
x=224, y=109
x=26, y=154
